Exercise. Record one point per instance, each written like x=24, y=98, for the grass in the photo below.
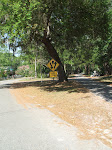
x=105, y=79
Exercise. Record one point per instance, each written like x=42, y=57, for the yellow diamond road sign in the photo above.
x=53, y=64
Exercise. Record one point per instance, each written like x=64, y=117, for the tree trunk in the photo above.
x=36, y=66
x=65, y=68
x=52, y=52
x=87, y=70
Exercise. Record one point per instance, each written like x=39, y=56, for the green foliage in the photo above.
x=80, y=30
x=6, y=59
x=28, y=71
x=3, y=73
x=23, y=70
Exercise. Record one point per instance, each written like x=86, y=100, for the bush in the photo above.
x=29, y=71
x=3, y=73
x=23, y=70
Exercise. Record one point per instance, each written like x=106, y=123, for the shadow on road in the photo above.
x=50, y=86
x=97, y=87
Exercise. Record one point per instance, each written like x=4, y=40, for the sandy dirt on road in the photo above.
x=73, y=103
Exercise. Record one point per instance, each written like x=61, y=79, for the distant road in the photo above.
x=98, y=88
x=36, y=129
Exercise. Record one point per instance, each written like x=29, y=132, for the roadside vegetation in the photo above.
x=105, y=79
x=77, y=34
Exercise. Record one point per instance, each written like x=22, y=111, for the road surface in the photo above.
x=36, y=129
x=97, y=88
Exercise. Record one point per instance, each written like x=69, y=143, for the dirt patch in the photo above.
x=73, y=103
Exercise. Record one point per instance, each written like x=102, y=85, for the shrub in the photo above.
x=3, y=73
x=23, y=70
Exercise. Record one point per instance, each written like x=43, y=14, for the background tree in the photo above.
x=54, y=23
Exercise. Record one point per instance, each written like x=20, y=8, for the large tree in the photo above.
x=50, y=22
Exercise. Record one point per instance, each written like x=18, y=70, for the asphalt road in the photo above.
x=36, y=129
x=97, y=88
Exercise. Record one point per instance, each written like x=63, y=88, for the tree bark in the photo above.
x=52, y=52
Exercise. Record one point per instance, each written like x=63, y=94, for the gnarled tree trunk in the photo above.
x=52, y=52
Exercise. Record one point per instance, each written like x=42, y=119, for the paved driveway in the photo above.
x=36, y=129
x=98, y=88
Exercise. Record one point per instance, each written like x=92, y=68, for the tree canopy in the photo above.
x=79, y=27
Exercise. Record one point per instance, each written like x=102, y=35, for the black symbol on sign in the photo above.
x=53, y=64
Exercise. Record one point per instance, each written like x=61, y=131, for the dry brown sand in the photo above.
x=73, y=103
